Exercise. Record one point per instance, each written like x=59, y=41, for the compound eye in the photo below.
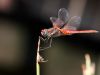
x=43, y=32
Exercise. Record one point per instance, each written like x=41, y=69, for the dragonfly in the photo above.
x=63, y=25
x=88, y=68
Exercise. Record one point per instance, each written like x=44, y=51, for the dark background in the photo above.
x=67, y=52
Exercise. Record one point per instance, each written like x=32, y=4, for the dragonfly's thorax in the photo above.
x=49, y=32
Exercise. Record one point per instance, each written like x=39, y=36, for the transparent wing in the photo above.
x=45, y=43
x=53, y=19
x=73, y=23
x=56, y=21
x=63, y=15
x=62, y=18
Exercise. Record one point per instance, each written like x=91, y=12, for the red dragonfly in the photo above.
x=64, y=25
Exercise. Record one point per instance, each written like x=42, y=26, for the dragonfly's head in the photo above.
x=44, y=32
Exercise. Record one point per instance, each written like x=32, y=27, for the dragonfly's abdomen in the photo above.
x=65, y=32
x=84, y=31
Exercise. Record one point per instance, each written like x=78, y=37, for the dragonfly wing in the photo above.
x=53, y=19
x=73, y=23
x=63, y=15
x=56, y=22
x=62, y=18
